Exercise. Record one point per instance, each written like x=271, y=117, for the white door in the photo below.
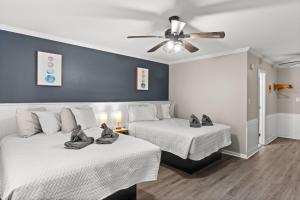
x=262, y=106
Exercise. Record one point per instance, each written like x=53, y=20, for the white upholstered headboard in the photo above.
x=8, y=112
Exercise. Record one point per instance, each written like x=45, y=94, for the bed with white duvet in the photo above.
x=174, y=135
x=39, y=167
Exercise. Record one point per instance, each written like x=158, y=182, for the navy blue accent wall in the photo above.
x=88, y=75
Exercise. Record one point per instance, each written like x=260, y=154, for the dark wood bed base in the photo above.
x=126, y=194
x=187, y=165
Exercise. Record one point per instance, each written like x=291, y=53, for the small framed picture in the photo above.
x=142, y=78
x=49, y=69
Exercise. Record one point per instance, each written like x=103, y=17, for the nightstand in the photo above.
x=121, y=130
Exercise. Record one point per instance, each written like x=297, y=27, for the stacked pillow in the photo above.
x=50, y=121
x=165, y=110
x=28, y=122
x=142, y=112
x=85, y=117
x=37, y=120
x=68, y=121
x=150, y=112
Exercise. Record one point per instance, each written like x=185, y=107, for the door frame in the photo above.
x=262, y=96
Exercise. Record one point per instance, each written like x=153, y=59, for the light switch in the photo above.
x=297, y=99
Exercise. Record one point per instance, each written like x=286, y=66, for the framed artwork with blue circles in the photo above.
x=49, y=69
x=142, y=78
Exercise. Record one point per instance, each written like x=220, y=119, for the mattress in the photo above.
x=39, y=167
x=175, y=136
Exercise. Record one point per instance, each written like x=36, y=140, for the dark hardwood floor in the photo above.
x=273, y=173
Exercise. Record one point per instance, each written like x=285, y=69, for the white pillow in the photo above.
x=50, y=121
x=85, y=117
x=142, y=112
x=165, y=111
x=68, y=121
x=28, y=122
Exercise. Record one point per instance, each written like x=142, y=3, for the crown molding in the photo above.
x=207, y=56
x=259, y=55
x=72, y=42
x=225, y=53
x=101, y=48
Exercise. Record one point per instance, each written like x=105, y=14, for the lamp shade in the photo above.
x=103, y=117
x=118, y=117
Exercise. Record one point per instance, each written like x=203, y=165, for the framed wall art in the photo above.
x=49, y=69
x=142, y=78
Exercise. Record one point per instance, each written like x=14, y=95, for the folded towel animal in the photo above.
x=206, y=121
x=107, y=136
x=194, y=122
x=79, y=139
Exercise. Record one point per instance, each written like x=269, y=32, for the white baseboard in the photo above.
x=240, y=155
x=271, y=139
x=235, y=154
x=289, y=137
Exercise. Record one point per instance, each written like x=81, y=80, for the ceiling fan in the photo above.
x=176, y=38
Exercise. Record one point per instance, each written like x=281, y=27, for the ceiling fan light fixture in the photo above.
x=178, y=46
x=175, y=38
x=173, y=46
x=170, y=45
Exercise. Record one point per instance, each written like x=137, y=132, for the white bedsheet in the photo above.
x=175, y=136
x=39, y=167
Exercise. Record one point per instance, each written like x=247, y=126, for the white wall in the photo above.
x=216, y=87
x=271, y=127
x=288, y=125
x=226, y=89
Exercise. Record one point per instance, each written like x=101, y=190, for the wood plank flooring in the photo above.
x=272, y=174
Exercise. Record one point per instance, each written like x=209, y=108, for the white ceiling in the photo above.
x=270, y=27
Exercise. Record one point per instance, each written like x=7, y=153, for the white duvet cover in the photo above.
x=39, y=167
x=175, y=136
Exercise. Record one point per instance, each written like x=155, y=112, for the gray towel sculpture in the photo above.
x=107, y=135
x=79, y=139
x=206, y=121
x=194, y=122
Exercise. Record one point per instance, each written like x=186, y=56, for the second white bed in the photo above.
x=175, y=136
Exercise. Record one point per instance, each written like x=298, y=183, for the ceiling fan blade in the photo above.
x=144, y=36
x=188, y=46
x=206, y=35
x=177, y=26
x=292, y=62
x=157, y=46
